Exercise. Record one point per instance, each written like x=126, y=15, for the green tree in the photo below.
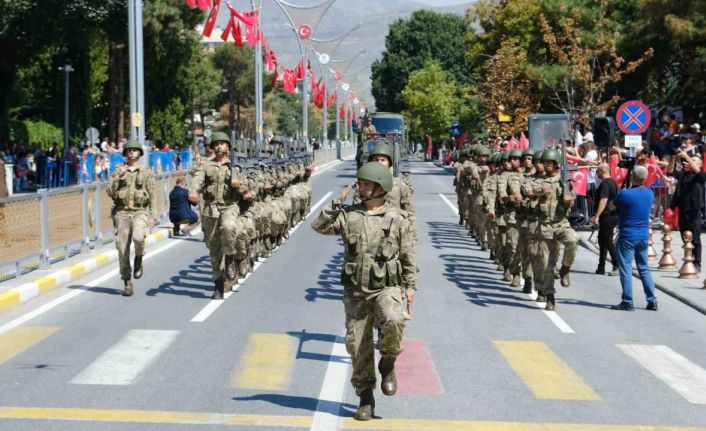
x=236, y=65
x=167, y=125
x=429, y=98
x=410, y=43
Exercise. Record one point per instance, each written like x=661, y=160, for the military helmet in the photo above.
x=538, y=155
x=377, y=173
x=515, y=153
x=528, y=152
x=384, y=149
x=219, y=137
x=505, y=156
x=551, y=155
x=483, y=151
x=132, y=144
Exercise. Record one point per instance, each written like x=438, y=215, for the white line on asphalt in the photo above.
x=123, y=363
x=449, y=203
x=213, y=305
x=552, y=315
x=63, y=298
x=326, y=417
x=683, y=376
x=325, y=167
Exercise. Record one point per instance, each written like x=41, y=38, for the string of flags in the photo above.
x=254, y=36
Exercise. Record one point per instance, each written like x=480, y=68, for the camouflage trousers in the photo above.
x=509, y=260
x=363, y=315
x=553, y=236
x=461, y=200
x=522, y=259
x=130, y=227
x=500, y=242
x=491, y=229
x=225, y=235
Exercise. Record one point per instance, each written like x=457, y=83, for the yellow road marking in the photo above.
x=544, y=372
x=16, y=341
x=9, y=300
x=267, y=364
x=194, y=418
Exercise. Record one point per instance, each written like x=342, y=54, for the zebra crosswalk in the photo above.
x=269, y=362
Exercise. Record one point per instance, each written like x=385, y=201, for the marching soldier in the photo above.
x=378, y=274
x=554, y=228
x=132, y=190
x=222, y=186
x=524, y=256
x=460, y=193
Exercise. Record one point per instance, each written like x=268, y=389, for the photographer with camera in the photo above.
x=689, y=194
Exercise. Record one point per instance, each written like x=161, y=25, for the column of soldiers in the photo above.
x=513, y=204
x=247, y=208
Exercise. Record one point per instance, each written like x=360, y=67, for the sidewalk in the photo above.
x=688, y=291
x=16, y=291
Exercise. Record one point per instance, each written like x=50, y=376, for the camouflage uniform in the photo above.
x=132, y=194
x=224, y=233
x=554, y=229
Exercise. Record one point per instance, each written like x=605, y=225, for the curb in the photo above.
x=23, y=293
x=701, y=309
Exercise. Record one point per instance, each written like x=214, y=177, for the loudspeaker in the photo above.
x=604, y=131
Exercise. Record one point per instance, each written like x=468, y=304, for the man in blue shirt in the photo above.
x=180, y=211
x=634, y=206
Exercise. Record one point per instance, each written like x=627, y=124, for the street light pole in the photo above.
x=67, y=70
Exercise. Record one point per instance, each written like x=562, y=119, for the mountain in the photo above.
x=374, y=17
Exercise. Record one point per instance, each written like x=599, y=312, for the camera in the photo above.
x=627, y=163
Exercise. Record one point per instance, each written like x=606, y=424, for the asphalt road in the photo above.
x=479, y=355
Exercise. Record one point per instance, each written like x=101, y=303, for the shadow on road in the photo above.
x=194, y=281
x=446, y=235
x=302, y=403
x=304, y=336
x=329, y=282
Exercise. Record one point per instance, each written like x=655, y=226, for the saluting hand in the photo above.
x=347, y=189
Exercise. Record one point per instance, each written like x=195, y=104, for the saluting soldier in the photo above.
x=132, y=190
x=378, y=274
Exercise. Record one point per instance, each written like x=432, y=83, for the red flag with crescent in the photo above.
x=579, y=179
x=524, y=142
x=512, y=144
x=211, y=20
x=204, y=4
x=618, y=174
x=654, y=171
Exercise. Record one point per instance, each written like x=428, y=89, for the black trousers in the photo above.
x=606, y=231
x=691, y=221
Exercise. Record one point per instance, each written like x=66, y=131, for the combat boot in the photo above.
x=541, y=297
x=231, y=268
x=137, y=271
x=516, y=280
x=484, y=246
x=219, y=289
x=366, y=408
x=550, y=303
x=564, y=274
x=528, y=286
x=243, y=269
x=492, y=255
x=128, y=288
x=386, y=366
x=506, y=275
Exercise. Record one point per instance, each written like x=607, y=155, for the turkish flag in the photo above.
x=204, y=4
x=275, y=77
x=654, y=172
x=211, y=20
x=618, y=174
x=301, y=72
x=572, y=160
x=579, y=179
x=524, y=143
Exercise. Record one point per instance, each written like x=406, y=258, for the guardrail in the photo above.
x=54, y=224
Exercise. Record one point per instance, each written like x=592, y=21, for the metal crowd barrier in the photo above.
x=54, y=224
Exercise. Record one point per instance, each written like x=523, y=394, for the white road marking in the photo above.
x=449, y=203
x=213, y=305
x=326, y=417
x=63, y=298
x=683, y=376
x=123, y=363
x=326, y=166
x=552, y=315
